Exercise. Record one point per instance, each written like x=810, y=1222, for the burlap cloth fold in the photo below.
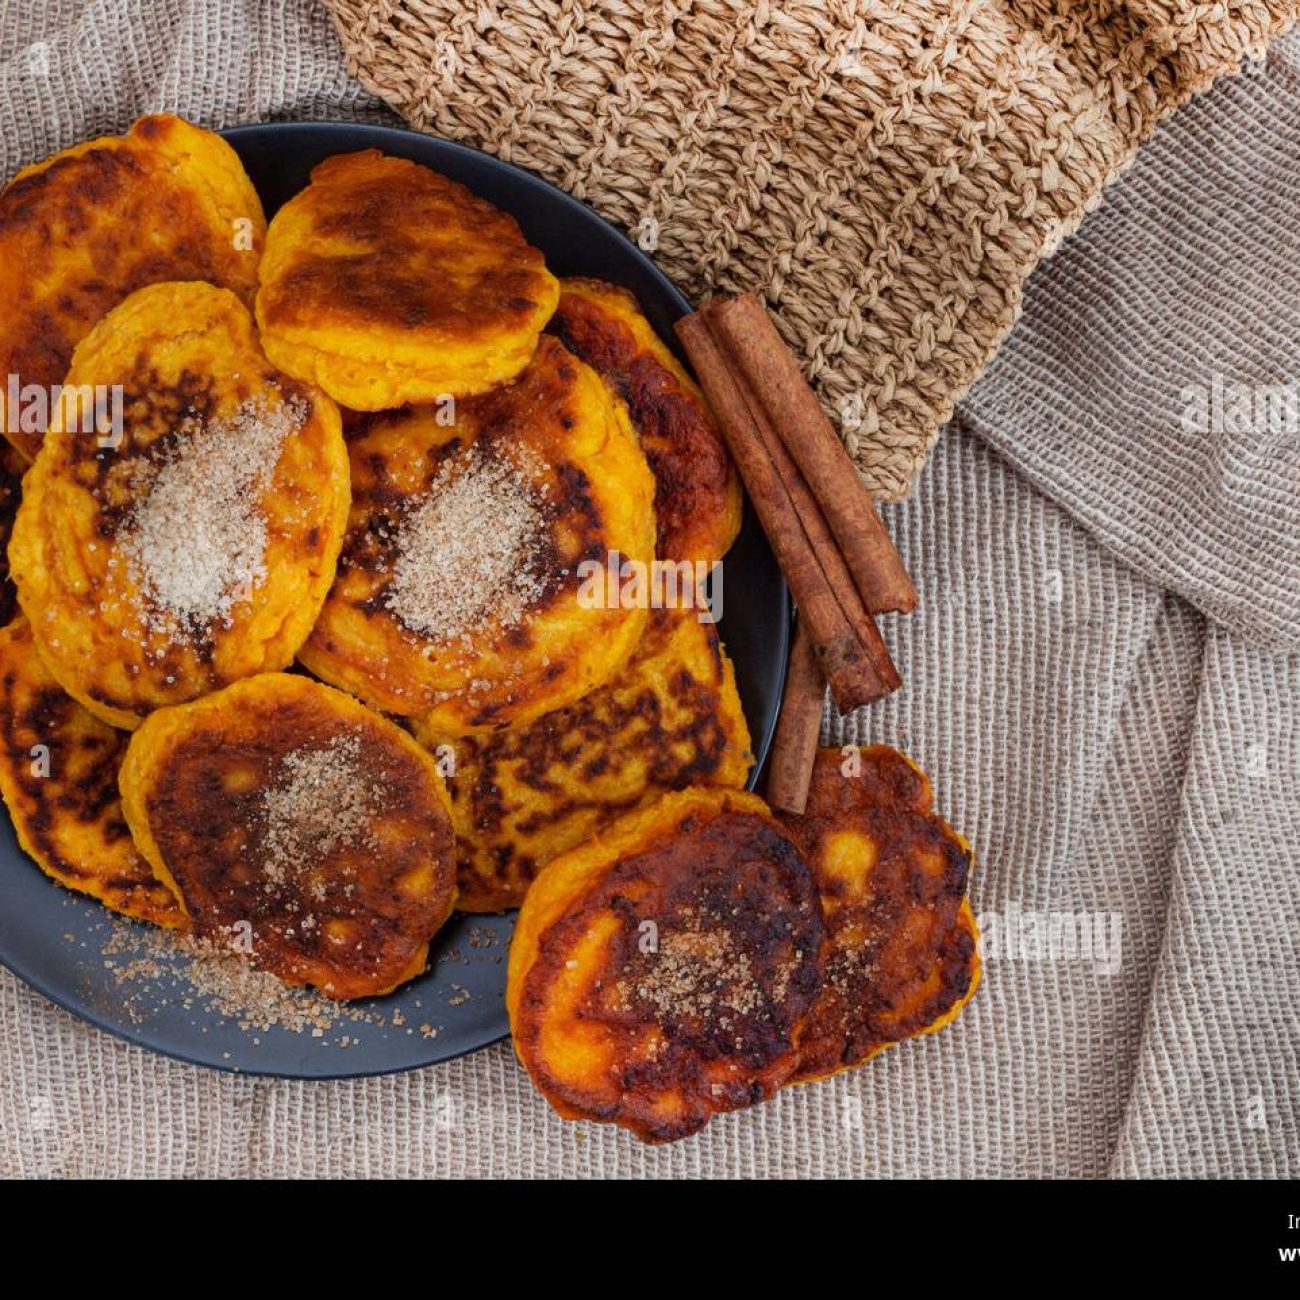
x=888, y=172
x=1087, y=679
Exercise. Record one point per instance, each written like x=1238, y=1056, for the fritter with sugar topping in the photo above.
x=58, y=776
x=295, y=825
x=660, y=973
x=697, y=488
x=85, y=228
x=195, y=544
x=669, y=719
x=386, y=283
x=900, y=954
x=461, y=593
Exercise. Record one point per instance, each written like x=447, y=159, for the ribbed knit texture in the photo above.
x=887, y=173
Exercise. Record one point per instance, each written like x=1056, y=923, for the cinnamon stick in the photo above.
x=794, y=748
x=746, y=331
x=843, y=658
x=835, y=568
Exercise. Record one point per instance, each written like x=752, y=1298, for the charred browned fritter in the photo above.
x=660, y=973
x=461, y=595
x=385, y=283
x=88, y=226
x=669, y=719
x=58, y=774
x=198, y=545
x=697, y=488
x=297, y=826
x=900, y=954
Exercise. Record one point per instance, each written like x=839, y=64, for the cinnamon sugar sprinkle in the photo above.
x=320, y=801
x=850, y=966
x=470, y=549
x=196, y=543
x=695, y=974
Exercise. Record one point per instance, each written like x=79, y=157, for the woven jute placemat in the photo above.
x=887, y=173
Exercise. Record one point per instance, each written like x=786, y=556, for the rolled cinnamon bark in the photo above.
x=835, y=569
x=745, y=330
x=794, y=748
x=842, y=656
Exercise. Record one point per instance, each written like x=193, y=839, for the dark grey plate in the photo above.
x=56, y=941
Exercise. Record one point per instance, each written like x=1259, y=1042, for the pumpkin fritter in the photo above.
x=669, y=719
x=195, y=545
x=659, y=974
x=900, y=955
x=460, y=591
x=697, y=488
x=88, y=226
x=294, y=824
x=58, y=776
x=386, y=283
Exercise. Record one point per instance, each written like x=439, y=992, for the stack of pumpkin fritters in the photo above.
x=308, y=651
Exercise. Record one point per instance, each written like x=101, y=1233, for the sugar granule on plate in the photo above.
x=221, y=979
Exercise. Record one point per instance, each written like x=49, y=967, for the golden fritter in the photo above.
x=58, y=776
x=195, y=545
x=296, y=826
x=659, y=974
x=460, y=593
x=900, y=954
x=670, y=718
x=386, y=283
x=697, y=488
x=85, y=228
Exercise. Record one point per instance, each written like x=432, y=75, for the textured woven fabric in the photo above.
x=1112, y=752
x=888, y=172
x=1105, y=396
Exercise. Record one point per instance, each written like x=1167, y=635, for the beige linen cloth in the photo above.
x=1103, y=677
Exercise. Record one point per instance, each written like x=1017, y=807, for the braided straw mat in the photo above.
x=887, y=171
